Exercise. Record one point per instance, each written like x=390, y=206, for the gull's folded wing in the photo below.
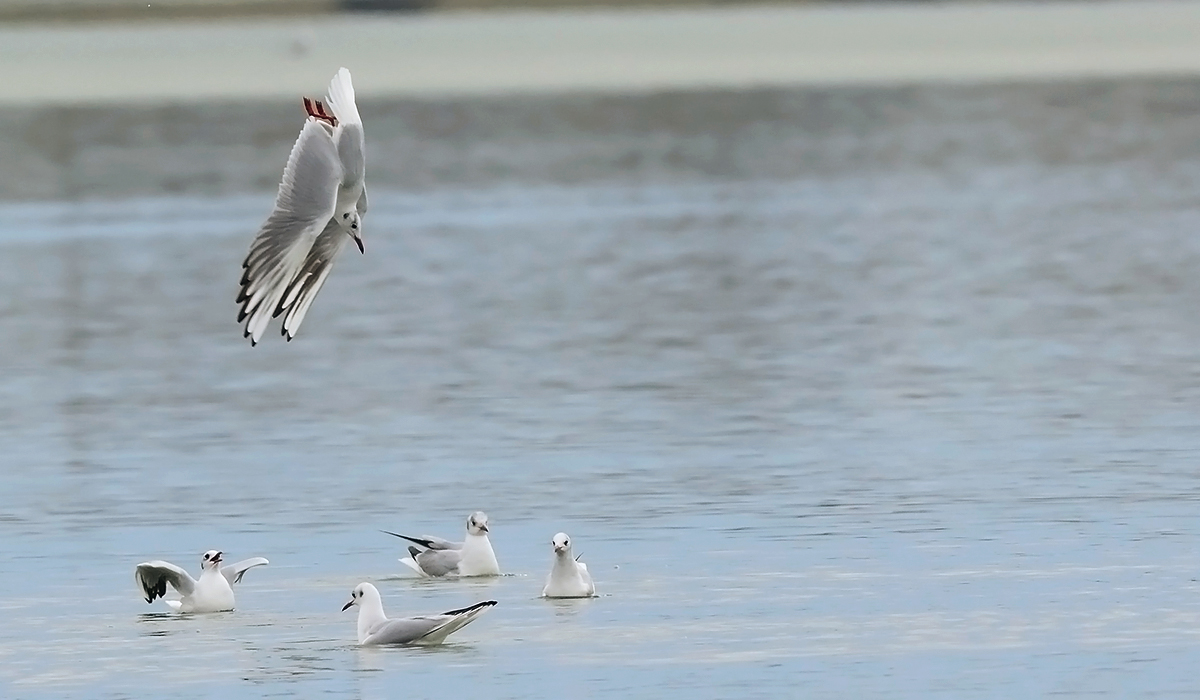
x=427, y=541
x=438, y=562
x=425, y=629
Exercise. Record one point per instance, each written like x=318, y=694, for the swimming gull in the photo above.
x=569, y=578
x=438, y=557
x=212, y=593
x=375, y=628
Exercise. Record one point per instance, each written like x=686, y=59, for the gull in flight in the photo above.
x=438, y=557
x=322, y=199
x=212, y=593
x=374, y=627
x=569, y=578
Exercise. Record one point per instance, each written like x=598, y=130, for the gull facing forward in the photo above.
x=212, y=593
x=320, y=206
x=374, y=627
x=569, y=578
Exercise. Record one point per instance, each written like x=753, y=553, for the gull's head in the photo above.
x=211, y=559
x=353, y=224
x=562, y=543
x=477, y=523
x=360, y=591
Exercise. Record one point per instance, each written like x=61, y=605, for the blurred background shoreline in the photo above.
x=133, y=109
x=91, y=10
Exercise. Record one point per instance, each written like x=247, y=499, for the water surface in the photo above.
x=904, y=432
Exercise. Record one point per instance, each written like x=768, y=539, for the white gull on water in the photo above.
x=569, y=578
x=375, y=628
x=471, y=557
x=319, y=207
x=213, y=592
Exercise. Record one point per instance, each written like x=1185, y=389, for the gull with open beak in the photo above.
x=375, y=628
x=213, y=592
x=437, y=557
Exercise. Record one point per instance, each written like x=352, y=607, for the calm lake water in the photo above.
x=914, y=431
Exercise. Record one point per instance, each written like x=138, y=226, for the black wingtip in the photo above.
x=471, y=608
x=424, y=543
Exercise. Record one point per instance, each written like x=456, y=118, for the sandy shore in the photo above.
x=480, y=53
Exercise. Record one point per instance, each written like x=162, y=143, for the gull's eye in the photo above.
x=346, y=215
x=354, y=226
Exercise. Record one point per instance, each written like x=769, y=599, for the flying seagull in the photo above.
x=322, y=199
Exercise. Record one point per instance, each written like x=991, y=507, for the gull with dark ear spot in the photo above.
x=437, y=557
x=569, y=578
x=319, y=208
x=375, y=628
x=213, y=592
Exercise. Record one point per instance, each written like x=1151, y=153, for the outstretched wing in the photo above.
x=233, y=573
x=348, y=135
x=305, y=204
x=153, y=576
x=308, y=281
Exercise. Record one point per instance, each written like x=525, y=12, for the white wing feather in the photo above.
x=234, y=572
x=303, y=207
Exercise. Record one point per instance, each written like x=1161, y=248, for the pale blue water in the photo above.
x=890, y=433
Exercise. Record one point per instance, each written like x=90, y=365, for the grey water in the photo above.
x=925, y=429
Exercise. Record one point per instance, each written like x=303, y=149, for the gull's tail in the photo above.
x=411, y=561
x=341, y=98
